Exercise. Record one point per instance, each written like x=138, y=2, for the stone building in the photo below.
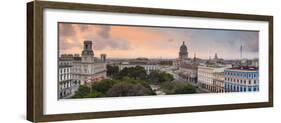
x=183, y=54
x=189, y=72
x=146, y=64
x=218, y=85
x=89, y=70
x=67, y=86
x=206, y=75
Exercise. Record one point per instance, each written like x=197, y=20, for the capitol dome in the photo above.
x=183, y=48
x=183, y=54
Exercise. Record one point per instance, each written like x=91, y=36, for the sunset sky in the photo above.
x=155, y=42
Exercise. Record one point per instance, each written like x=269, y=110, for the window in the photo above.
x=250, y=89
x=249, y=82
x=255, y=81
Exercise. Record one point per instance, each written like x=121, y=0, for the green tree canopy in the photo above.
x=82, y=91
x=111, y=70
x=112, y=88
x=158, y=77
x=177, y=88
x=128, y=89
x=137, y=72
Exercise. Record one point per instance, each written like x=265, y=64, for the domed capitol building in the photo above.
x=183, y=54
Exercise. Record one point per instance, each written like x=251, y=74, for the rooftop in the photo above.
x=244, y=68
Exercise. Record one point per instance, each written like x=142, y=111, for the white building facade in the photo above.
x=218, y=85
x=67, y=86
x=206, y=75
x=89, y=70
x=148, y=66
x=189, y=72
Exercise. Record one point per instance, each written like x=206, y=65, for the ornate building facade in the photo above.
x=89, y=70
x=207, y=76
x=189, y=72
x=67, y=86
x=183, y=54
x=218, y=82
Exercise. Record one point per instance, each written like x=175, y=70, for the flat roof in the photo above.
x=244, y=68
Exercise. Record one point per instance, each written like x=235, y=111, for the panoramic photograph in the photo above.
x=101, y=60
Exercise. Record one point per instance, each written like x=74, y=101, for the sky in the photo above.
x=119, y=41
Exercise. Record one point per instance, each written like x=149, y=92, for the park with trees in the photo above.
x=133, y=81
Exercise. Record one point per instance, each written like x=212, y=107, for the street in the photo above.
x=177, y=78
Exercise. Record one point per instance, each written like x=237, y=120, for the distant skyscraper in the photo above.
x=183, y=54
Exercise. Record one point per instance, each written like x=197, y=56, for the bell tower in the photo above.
x=87, y=53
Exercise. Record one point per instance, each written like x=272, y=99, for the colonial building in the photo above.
x=189, y=72
x=218, y=85
x=206, y=75
x=241, y=79
x=89, y=70
x=67, y=86
x=146, y=64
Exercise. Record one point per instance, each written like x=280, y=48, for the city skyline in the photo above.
x=155, y=42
